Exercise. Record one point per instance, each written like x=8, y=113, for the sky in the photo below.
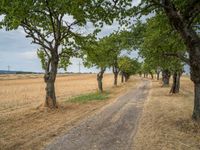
x=18, y=54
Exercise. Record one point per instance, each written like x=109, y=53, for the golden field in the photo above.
x=166, y=122
x=25, y=124
x=24, y=91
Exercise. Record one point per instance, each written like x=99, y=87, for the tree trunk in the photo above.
x=115, y=78
x=140, y=74
x=196, y=110
x=151, y=75
x=122, y=78
x=115, y=72
x=195, y=77
x=99, y=79
x=49, y=78
x=176, y=83
x=126, y=77
x=158, y=75
x=165, y=77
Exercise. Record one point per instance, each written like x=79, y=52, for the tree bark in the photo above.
x=196, y=110
x=195, y=77
x=122, y=77
x=115, y=72
x=151, y=75
x=49, y=78
x=126, y=76
x=165, y=77
x=176, y=82
x=99, y=79
x=115, y=78
x=158, y=75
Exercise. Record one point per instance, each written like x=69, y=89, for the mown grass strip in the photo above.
x=84, y=98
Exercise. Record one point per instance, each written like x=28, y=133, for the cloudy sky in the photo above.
x=17, y=52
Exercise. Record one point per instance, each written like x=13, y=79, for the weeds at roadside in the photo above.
x=94, y=96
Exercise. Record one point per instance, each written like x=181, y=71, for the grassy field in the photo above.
x=25, y=124
x=166, y=122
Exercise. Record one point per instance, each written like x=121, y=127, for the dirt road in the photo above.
x=112, y=128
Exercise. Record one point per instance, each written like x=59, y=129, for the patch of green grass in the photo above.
x=84, y=98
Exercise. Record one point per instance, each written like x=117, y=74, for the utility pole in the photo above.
x=79, y=67
x=8, y=68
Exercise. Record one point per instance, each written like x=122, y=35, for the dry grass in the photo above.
x=24, y=125
x=166, y=122
x=23, y=91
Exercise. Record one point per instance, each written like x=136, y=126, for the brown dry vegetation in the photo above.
x=166, y=120
x=24, y=125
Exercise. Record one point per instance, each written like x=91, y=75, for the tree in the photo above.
x=147, y=69
x=158, y=70
x=53, y=24
x=184, y=17
x=96, y=53
x=128, y=67
x=159, y=41
x=104, y=53
x=115, y=44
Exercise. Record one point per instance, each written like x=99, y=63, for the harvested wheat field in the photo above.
x=23, y=91
x=166, y=121
x=25, y=124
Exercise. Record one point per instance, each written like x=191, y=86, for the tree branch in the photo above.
x=51, y=18
x=159, y=4
x=192, y=10
x=31, y=31
x=36, y=40
x=178, y=55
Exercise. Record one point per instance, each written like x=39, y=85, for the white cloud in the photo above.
x=29, y=55
x=2, y=17
x=135, y=2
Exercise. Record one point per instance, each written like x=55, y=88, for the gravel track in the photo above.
x=112, y=128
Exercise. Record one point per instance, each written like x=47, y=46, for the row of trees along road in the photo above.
x=184, y=18
x=128, y=66
x=106, y=53
x=53, y=24
x=156, y=47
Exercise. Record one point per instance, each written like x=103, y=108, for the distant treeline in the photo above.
x=18, y=72
x=28, y=72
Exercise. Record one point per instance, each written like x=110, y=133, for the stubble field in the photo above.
x=166, y=121
x=25, y=124
x=18, y=92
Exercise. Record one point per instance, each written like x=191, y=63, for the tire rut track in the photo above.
x=112, y=128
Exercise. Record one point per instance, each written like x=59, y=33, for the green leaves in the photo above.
x=53, y=24
x=159, y=39
x=103, y=53
x=43, y=58
x=128, y=66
